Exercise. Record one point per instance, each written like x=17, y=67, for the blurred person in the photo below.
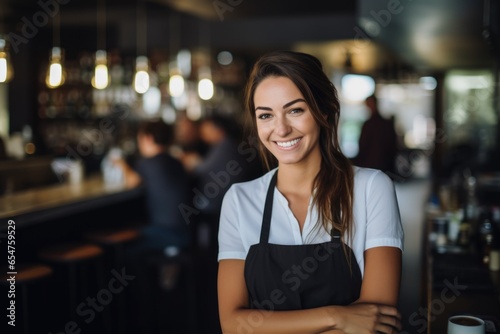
x=165, y=181
x=228, y=160
x=188, y=145
x=377, y=141
x=166, y=233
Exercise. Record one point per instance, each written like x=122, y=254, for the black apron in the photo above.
x=295, y=277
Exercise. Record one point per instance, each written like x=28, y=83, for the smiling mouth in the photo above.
x=287, y=144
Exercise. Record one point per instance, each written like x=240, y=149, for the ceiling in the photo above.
x=430, y=35
x=434, y=34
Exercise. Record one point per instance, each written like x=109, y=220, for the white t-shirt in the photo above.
x=375, y=214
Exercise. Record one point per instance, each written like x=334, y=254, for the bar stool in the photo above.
x=27, y=274
x=116, y=240
x=75, y=257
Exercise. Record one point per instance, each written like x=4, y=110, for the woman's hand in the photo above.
x=366, y=318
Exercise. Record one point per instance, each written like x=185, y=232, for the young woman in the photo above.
x=314, y=245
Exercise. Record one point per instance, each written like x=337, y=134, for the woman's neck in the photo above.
x=298, y=179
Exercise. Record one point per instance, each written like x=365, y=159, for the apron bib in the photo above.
x=294, y=277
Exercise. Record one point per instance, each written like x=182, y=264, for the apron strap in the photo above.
x=335, y=234
x=268, y=210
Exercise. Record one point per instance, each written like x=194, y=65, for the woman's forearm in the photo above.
x=351, y=319
x=243, y=321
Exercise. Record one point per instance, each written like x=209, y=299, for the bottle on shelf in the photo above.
x=494, y=259
x=486, y=233
x=467, y=237
x=494, y=254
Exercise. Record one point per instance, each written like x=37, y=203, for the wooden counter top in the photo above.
x=41, y=204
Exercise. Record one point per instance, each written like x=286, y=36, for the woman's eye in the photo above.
x=296, y=111
x=264, y=116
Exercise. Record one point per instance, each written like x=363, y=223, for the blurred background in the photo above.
x=77, y=78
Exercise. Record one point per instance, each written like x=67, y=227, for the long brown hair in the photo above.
x=334, y=182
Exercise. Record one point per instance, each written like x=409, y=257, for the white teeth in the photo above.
x=288, y=143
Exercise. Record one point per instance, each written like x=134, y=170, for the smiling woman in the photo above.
x=315, y=237
x=285, y=125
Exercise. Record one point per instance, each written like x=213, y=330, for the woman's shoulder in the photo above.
x=367, y=177
x=247, y=194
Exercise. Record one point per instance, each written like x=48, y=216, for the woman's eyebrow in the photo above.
x=286, y=105
x=263, y=108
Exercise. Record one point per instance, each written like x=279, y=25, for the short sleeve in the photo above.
x=230, y=243
x=383, y=218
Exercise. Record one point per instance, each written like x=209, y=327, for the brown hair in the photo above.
x=334, y=182
x=162, y=133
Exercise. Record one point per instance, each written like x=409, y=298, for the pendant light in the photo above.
x=141, y=77
x=205, y=84
x=55, y=73
x=6, y=72
x=101, y=76
x=176, y=84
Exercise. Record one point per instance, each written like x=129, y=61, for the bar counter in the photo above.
x=459, y=283
x=47, y=203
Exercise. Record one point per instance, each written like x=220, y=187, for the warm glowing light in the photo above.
x=141, y=78
x=6, y=72
x=205, y=89
x=205, y=84
x=141, y=82
x=3, y=68
x=29, y=148
x=100, y=80
x=55, y=73
x=176, y=85
x=101, y=77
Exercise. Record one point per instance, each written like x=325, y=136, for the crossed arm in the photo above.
x=375, y=310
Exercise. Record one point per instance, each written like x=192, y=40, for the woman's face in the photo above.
x=285, y=123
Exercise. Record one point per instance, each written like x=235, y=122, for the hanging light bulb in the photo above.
x=205, y=89
x=3, y=67
x=6, y=72
x=205, y=85
x=55, y=73
x=101, y=78
x=176, y=81
x=141, y=78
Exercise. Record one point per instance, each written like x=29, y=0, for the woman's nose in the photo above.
x=283, y=127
